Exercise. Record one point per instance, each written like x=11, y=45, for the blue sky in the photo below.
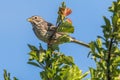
x=16, y=32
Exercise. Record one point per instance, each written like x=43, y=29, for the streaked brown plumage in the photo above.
x=44, y=30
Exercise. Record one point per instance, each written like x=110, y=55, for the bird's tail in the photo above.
x=80, y=43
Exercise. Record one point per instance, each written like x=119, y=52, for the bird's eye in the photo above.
x=35, y=17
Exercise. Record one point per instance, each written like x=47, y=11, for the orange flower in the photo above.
x=65, y=11
x=69, y=20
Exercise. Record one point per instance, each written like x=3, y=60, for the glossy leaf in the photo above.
x=66, y=27
x=64, y=38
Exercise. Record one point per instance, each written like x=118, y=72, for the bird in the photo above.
x=46, y=32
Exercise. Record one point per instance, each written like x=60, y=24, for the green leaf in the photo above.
x=41, y=57
x=97, y=56
x=48, y=52
x=117, y=60
x=114, y=20
x=68, y=60
x=64, y=39
x=113, y=7
x=107, y=21
x=54, y=47
x=99, y=42
x=50, y=72
x=33, y=55
x=34, y=64
x=32, y=47
x=66, y=27
x=63, y=5
x=84, y=75
x=101, y=38
x=15, y=78
x=97, y=47
x=92, y=72
x=41, y=48
x=107, y=28
x=7, y=76
x=71, y=73
x=92, y=47
x=102, y=64
x=43, y=75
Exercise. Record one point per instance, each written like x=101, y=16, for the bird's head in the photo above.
x=35, y=20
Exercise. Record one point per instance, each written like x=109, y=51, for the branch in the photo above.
x=81, y=43
x=108, y=60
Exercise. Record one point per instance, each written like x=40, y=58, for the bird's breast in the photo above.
x=41, y=34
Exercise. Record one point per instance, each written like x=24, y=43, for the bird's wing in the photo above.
x=51, y=27
x=49, y=24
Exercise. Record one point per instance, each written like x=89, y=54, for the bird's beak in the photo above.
x=29, y=19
